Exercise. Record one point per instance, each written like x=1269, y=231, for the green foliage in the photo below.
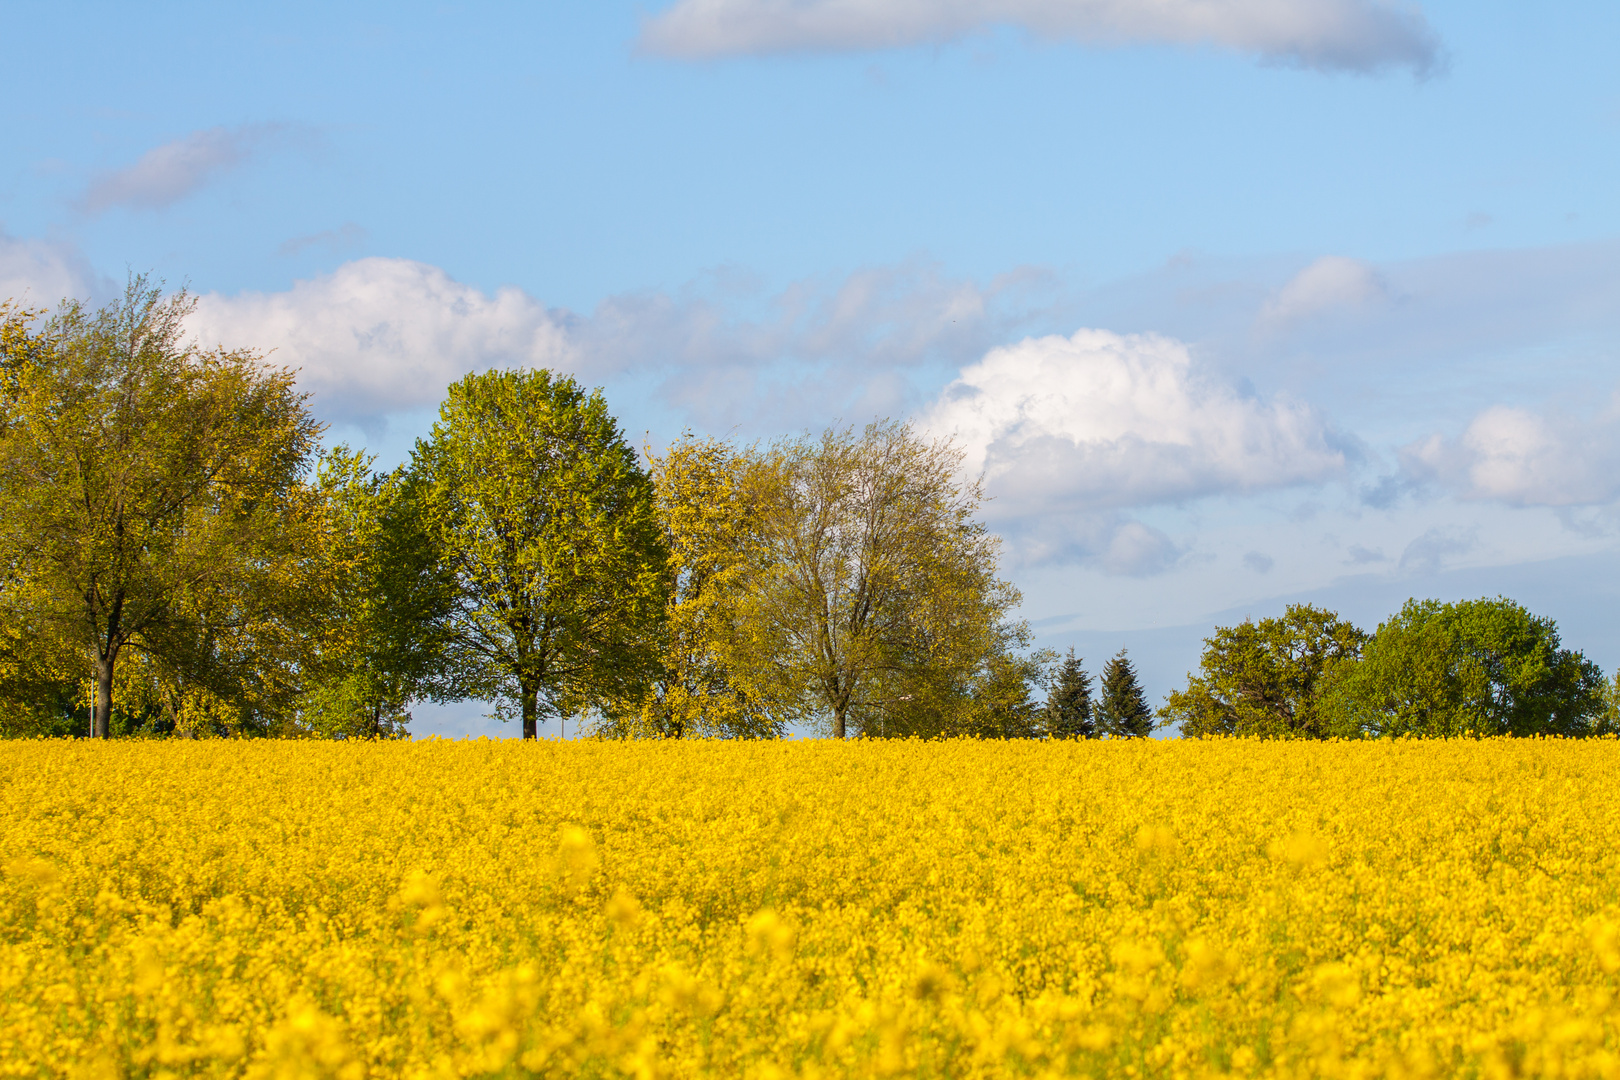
x=390, y=596
x=870, y=603
x=1068, y=712
x=1122, y=710
x=1481, y=667
x=1265, y=679
x=152, y=502
x=546, y=523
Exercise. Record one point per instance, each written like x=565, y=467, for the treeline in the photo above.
x=182, y=557
x=1477, y=667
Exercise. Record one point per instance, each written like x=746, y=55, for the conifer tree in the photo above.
x=1123, y=711
x=1068, y=706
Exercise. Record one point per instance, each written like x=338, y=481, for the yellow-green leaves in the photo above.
x=540, y=512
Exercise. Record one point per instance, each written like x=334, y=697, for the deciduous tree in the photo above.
x=153, y=499
x=871, y=605
x=1265, y=678
x=546, y=521
x=1487, y=667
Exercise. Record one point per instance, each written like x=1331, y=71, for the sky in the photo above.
x=1233, y=303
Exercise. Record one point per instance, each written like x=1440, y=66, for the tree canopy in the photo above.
x=1481, y=667
x=1122, y=710
x=1265, y=678
x=546, y=522
x=155, y=504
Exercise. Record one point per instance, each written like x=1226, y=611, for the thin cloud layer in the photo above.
x=1331, y=284
x=1329, y=35
x=385, y=335
x=166, y=174
x=1101, y=421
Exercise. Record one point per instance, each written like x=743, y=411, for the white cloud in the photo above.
x=382, y=335
x=1523, y=458
x=1354, y=35
x=39, y=273
x=1330, y=284
x=166, y=174
x=1101, y=421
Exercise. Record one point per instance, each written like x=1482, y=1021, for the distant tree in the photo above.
x=389, y=597
x=1123, y=709
x=703, y=504
x=1068, y=713
x=871, y=603
x=1265, y=678
x=546, y=521
x=1487, y=667
x=1001, y=701
x=153, y=501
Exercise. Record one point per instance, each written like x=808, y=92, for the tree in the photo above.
x=702, y=496
x=1123, y=709
x=871, y=602
x=1482, y=667
x=1265, y=679
x=546, y=522
x=390, y=595
x=1001, y=704
x=1068, y=706
x=153, y=500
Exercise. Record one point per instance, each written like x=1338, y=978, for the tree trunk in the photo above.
x=531, y=712
x=101, y=716
x=838, y=723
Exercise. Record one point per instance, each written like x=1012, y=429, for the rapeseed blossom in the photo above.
x=810, y=909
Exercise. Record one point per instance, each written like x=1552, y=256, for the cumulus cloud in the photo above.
x=1329, y=285
x=1103, y=421
x=1524, y=458
x=1346, y=35
x=383, y=335
x=166, y=174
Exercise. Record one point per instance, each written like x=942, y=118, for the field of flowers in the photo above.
x=810, y=909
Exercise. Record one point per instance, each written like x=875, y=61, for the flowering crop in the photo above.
x=810, y=909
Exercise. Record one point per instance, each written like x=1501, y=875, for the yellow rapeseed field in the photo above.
x=810, y=909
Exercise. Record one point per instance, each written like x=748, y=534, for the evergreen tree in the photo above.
x=1123, y=711
x=1068, y=706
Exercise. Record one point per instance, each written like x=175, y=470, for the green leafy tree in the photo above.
x=1485, y=667
x=1068, y=705
x=870, y=604
x=1122, y=708
x=152, y=499
x=541, y=513
x=389, y=597
x=1002, y=702
x=1265, y=678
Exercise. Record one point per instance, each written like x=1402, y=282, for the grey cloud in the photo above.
x=1328, y=35
x=166, y=174
x=1523, y=457
x=1429, y=552
x=1114, y=543
x=1259, y=562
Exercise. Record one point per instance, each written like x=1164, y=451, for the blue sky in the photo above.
x=1236, y=302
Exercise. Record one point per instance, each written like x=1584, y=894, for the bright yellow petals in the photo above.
x=811, y=909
